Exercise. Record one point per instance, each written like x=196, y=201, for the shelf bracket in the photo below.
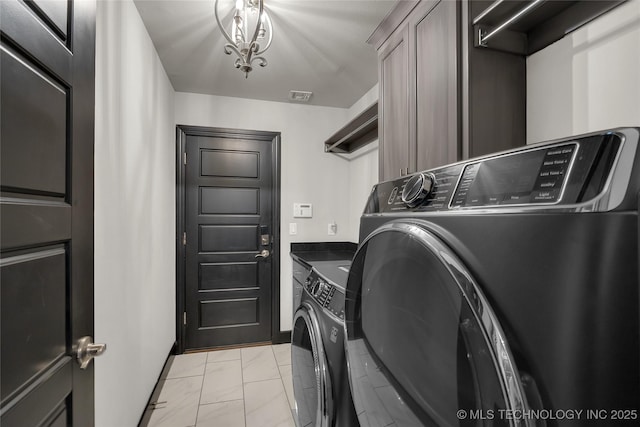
x=484, y=36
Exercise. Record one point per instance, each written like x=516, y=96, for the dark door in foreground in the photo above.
x=46, y=265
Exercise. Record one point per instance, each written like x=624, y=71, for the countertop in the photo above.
x=319, y=252
x=329, y=259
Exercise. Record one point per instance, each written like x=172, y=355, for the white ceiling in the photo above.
x=318, y=46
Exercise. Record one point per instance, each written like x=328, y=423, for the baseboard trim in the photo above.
x=146, y=414
x=282, y=337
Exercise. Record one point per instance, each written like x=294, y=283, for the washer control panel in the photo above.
x=327, y=295
x=535, y=176
x=557, y=173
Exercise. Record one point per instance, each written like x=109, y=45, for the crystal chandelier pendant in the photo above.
x=249, y=15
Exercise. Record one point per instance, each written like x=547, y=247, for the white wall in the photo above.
x=363, y=168
x=589, y=80
x=134, y=215
x=363, y=175
x=308, y=173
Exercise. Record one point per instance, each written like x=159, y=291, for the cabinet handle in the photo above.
x=401, y=172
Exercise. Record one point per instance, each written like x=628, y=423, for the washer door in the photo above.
x=311, y=378
x=423, y=345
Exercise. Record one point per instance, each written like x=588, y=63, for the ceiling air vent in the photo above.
x=299, y=95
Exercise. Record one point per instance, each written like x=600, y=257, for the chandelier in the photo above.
x=248, y=15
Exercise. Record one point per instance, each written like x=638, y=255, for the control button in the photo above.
x=494, y=200
x=547, y=184
x=560, y=151
x=516, y=198
x=543, y=196
x=551, y=173
x=475, y=201
x=554, y=152
x=418, y=188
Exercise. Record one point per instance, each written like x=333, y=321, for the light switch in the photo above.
x=302, y=210
x=293, y=228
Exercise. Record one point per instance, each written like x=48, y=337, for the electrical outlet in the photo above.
x=332, y=229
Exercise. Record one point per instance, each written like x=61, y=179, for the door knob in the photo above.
x=86, y=350
x=263, y=254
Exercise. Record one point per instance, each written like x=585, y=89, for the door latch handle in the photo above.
x=86, y=350
x=263, y=254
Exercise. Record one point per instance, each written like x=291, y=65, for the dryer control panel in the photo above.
x=326, y=294
x=575, y=171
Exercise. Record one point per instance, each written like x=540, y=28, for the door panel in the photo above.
x=394, y=106
x=228, y=275
x=228, y=238
x=32, y=279
x=233, y=164
x=230, y=312
x=30, y=97
x=437, y=84
x=55, y=13
x=238, y=201
x=228, y=201
x=46, y=210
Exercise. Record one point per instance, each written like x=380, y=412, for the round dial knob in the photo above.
x=318, y=290
x=314, y=287
x=418, y=188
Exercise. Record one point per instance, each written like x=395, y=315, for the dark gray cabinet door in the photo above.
x=229, y=193
x=394, y=106
x=46, y=209
x=436, y=79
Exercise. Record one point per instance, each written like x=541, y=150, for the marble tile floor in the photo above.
x=248, y=387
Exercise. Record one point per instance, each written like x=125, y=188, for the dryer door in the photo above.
x=423, y=345
x=311, y=378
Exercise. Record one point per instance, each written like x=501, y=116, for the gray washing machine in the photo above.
x=320, y=380
x=501, y=291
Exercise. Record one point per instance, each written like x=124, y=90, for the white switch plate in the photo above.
x=293, y=228
x=302, y=210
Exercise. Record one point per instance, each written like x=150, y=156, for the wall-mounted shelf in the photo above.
x=526, y=26
x=357, y=133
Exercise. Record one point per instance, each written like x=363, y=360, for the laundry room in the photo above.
x=256, y=213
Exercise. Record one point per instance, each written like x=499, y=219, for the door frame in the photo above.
x=182, y=131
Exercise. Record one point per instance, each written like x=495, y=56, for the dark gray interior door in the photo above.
x=46, y=260
x=229, y=221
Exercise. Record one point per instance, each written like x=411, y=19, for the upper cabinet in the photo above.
x=436, y=82
x=393, y=105
x=419, y=87
x=439, y=102
x=452, y=75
